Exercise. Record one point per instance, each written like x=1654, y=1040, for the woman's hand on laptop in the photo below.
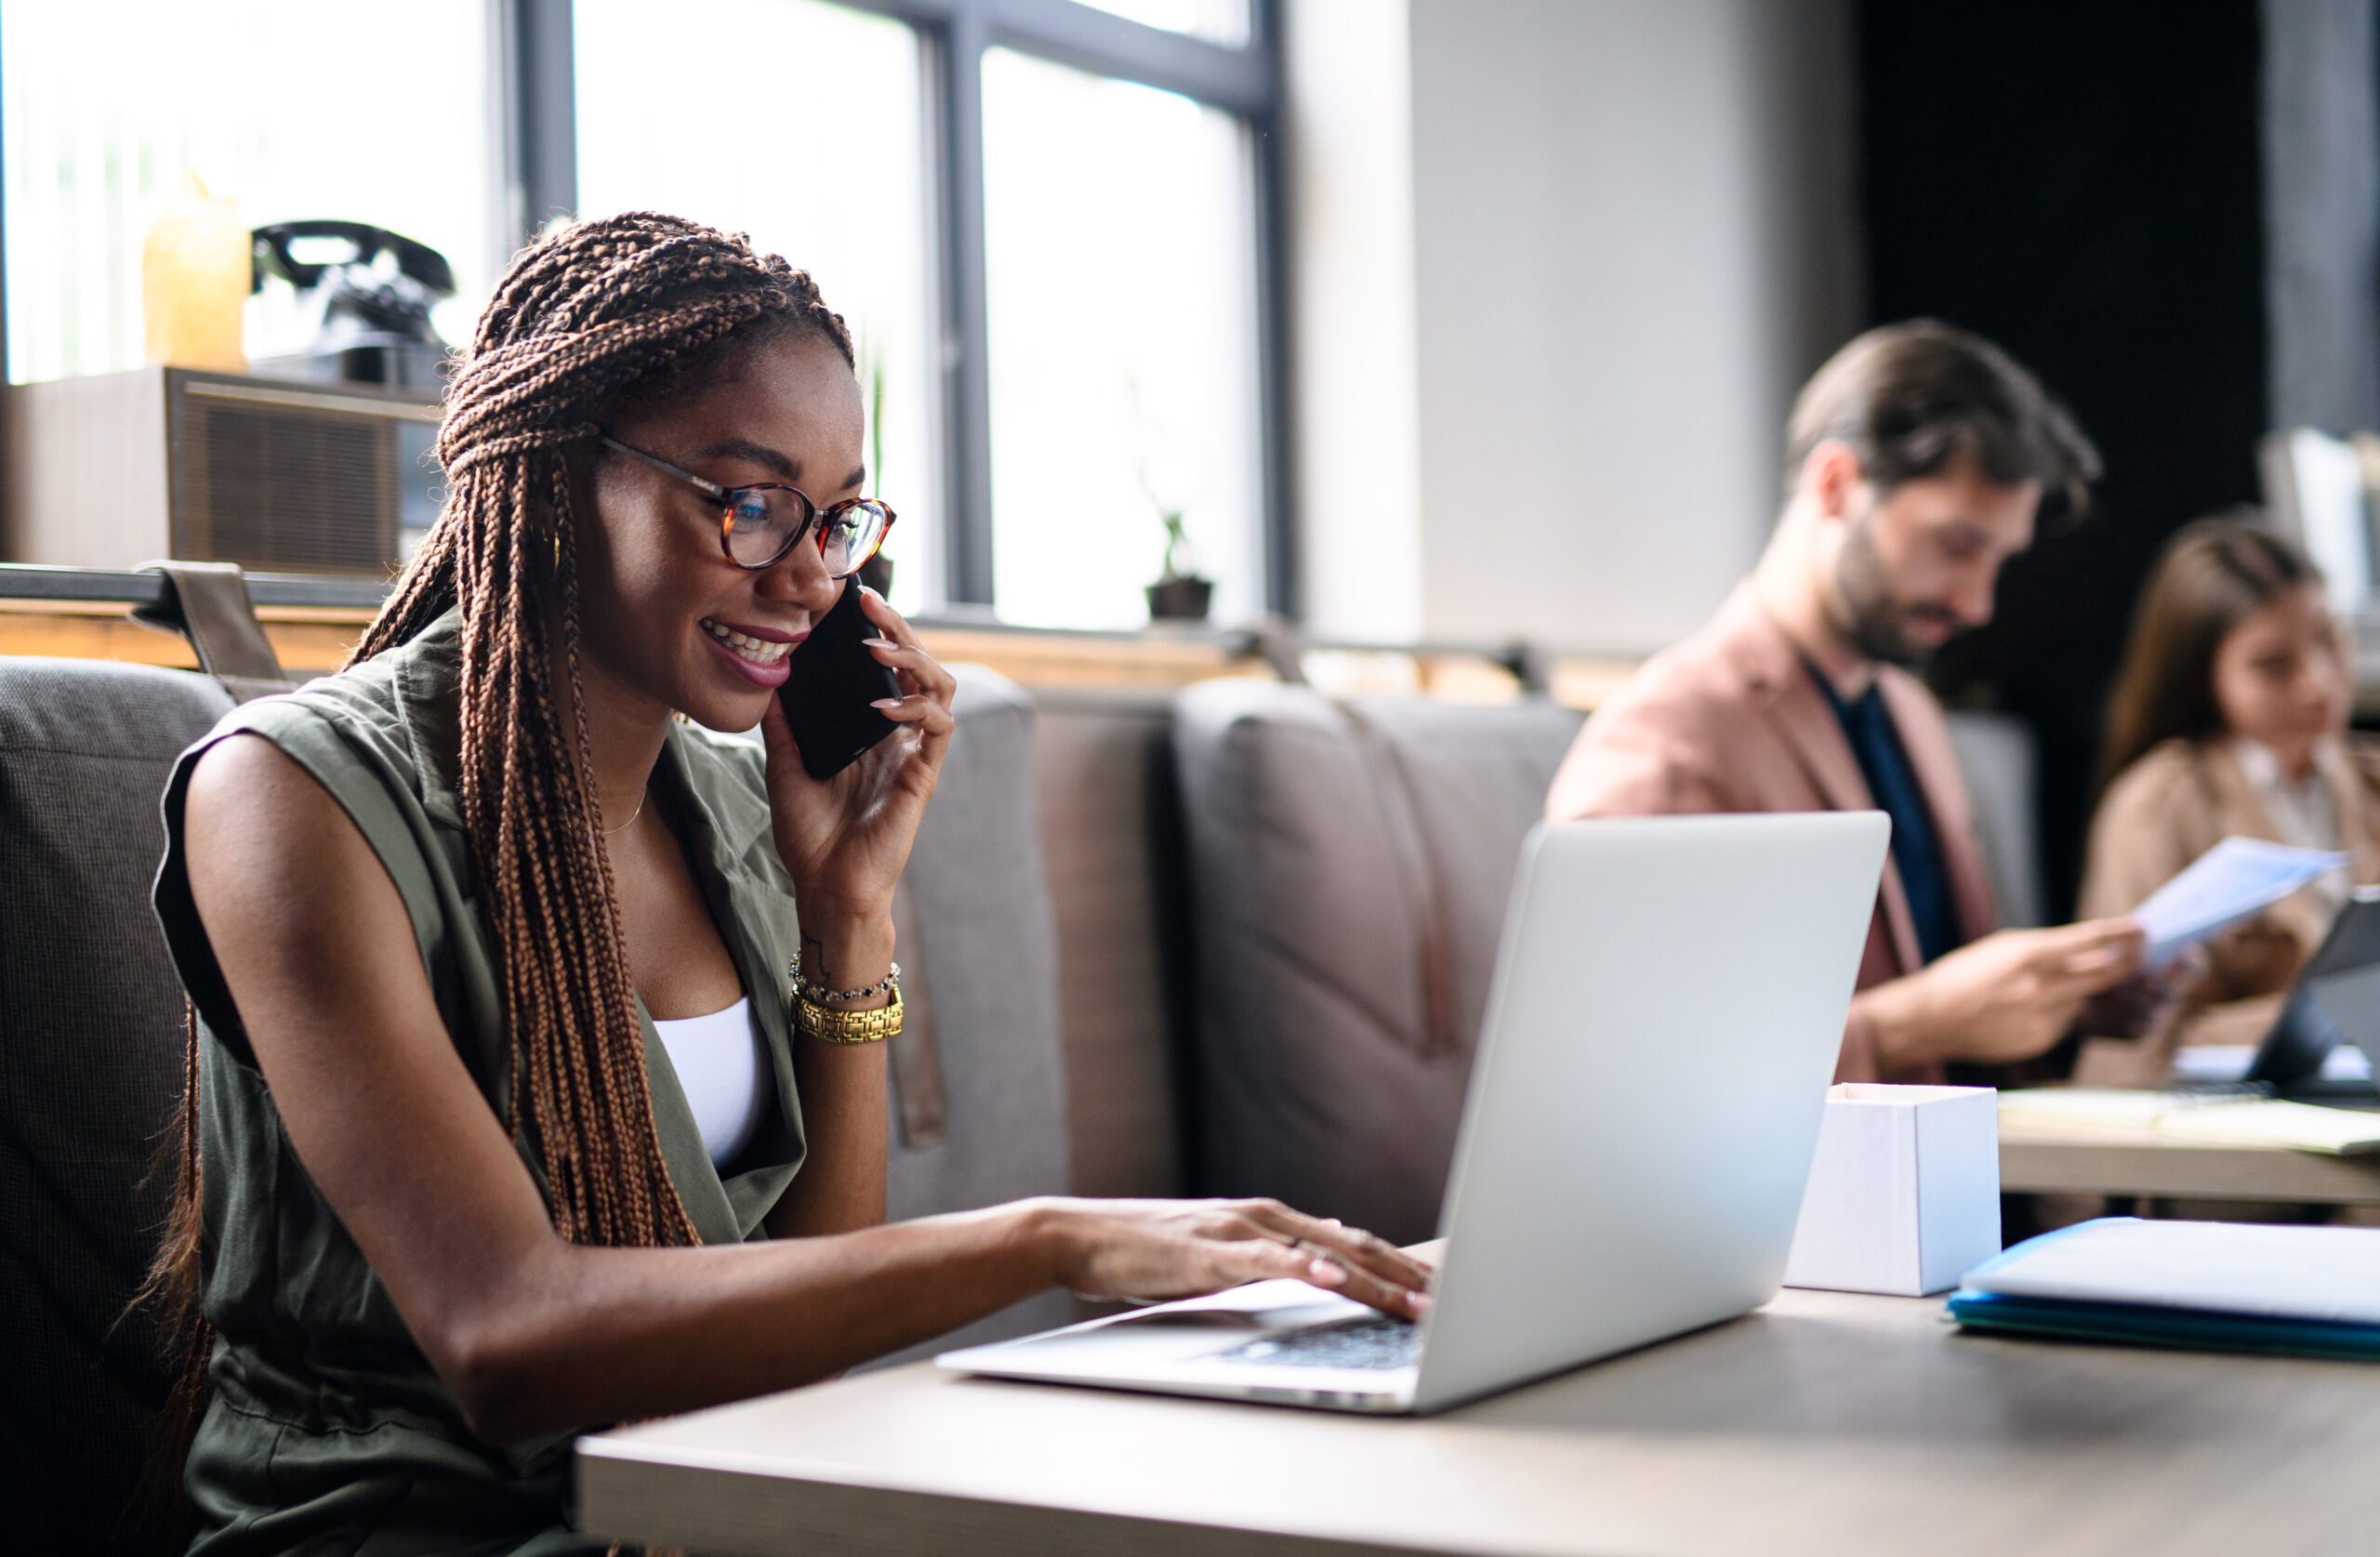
x=1183, y=1248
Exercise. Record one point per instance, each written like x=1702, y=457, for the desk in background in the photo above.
x=1827, y=1423
x=2102, y=1163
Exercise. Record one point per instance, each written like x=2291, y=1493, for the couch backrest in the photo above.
x=91, y=1044
x=1349, y=866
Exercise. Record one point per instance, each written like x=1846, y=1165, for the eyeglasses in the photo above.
x=758, y=525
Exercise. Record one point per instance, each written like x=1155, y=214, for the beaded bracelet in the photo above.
x=820, y=994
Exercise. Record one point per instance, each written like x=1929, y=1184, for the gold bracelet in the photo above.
x=833, y=1026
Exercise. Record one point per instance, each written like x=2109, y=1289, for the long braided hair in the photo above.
x=576, y=321
x=585, y=319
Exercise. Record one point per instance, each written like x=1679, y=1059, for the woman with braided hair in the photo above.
x=504, y=1121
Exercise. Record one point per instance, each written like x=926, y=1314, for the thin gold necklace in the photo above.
x=615, y=832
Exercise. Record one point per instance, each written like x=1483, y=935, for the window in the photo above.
x=1046, y=221
x=1120, y=271
x=288, y=107
x=839, y=187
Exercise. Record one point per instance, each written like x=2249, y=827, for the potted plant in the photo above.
x=1179, y=595
x=1169, y=472
x=876, y=573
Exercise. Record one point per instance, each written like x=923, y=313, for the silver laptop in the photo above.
x=1668, y=1001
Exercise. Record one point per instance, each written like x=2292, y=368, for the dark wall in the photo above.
x=2081, y=183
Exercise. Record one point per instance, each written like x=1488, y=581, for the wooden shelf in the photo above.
x=311, y=640
x=85, y=614
x=315, y=640
x=1051, y=659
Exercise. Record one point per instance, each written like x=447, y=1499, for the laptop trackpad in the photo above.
x=1179, y=1332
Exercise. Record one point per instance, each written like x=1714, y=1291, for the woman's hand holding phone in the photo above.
x=845, y=838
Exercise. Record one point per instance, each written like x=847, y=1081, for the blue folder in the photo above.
x=2144, y=1324
x=2295, y=1291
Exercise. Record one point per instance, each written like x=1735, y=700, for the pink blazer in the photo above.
x=1729, y=720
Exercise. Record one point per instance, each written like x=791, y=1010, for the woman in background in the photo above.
x=2230, y=718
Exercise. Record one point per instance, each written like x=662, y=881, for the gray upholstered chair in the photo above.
x=90, y=1073
x=1349, y=865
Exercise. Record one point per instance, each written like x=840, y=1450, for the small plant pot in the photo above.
x=1180, y=600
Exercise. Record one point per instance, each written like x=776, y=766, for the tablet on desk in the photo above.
x=2223, y=1064
x=2335, y=1001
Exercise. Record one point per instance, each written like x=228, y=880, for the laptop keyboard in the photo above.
x=1379, y=1344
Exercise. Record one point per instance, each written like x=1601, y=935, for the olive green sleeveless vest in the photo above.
x=328, y=1430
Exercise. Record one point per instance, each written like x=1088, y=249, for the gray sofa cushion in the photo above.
x=980, y=950
x=1349, y=867
x=90, y=1074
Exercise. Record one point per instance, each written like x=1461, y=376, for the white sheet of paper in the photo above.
x=2276, y=1122
x=2227, y=883
x=2215, y=1118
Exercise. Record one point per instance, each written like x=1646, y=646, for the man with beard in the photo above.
x=1919, y=460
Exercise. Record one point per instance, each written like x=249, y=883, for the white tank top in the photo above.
x=723, y=1071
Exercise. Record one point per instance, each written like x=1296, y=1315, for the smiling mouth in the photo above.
x=757, y=651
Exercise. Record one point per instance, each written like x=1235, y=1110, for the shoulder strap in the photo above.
x=207, y=603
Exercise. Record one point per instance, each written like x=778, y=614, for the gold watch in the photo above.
x=833, y=1026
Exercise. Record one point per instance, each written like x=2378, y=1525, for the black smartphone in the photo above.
x=833, y=679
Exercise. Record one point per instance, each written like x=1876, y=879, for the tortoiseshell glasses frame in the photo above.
x=771, y=517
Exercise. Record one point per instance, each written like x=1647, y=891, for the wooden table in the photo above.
x=1826, y=1423
x=2095, y=1163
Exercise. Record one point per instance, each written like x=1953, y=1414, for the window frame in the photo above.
x=1242, y=80
x=541, y=180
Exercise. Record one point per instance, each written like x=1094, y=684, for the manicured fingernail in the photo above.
x=1324, y=1273
x=886, y=703
x=1418, y=1304
x=880, y=643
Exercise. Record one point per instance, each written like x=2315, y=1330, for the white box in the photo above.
x=1904, y=1194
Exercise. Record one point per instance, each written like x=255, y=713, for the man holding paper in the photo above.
x=1919, y=458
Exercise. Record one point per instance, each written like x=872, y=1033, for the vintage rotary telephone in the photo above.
x=375, y=290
